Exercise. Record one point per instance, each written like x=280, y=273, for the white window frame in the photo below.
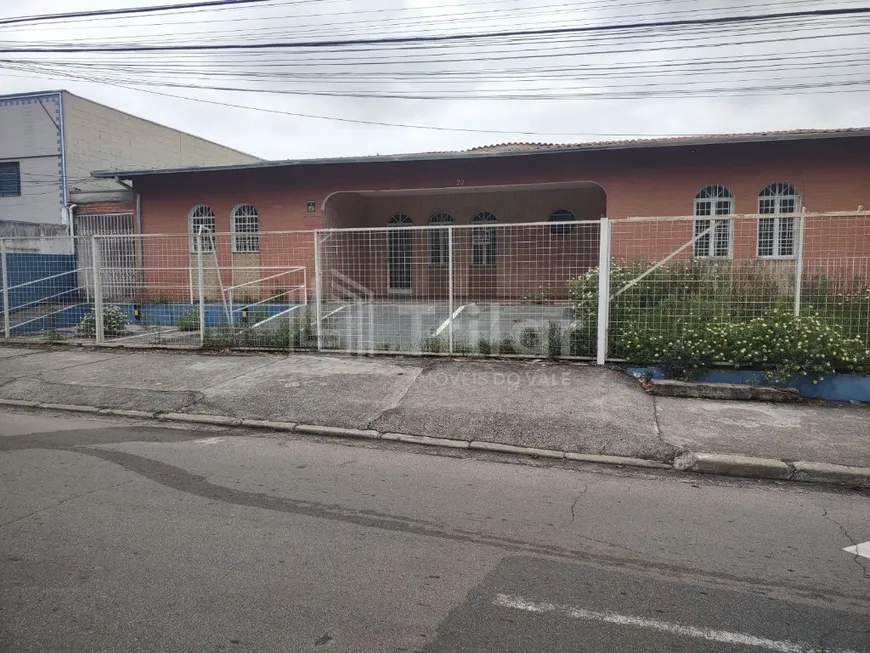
x=770, y=203
x=485, y=223
x=249, y=238
x=439, y=239
x=721, y=202
x=198, y=214
x=777, y=222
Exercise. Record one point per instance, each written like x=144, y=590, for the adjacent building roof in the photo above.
x=521, y=149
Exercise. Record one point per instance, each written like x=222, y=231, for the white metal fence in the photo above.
x=573, y=289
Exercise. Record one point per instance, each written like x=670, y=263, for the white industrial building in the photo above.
x=51, y=141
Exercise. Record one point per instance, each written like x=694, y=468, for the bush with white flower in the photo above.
x=687, y=316
x=778, y=342
x=114, y=323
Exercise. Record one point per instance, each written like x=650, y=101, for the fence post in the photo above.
x=603, y=290
x=450, y=287
x=318, y=291
x=200, y=277
x=799, y=264
x=97, y=264
x=5, y=271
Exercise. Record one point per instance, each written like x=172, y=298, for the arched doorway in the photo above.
x=400, y=251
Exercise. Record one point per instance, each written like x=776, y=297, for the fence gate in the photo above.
x=119, y=254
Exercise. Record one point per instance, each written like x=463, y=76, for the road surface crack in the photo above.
x=856, y=557
x=63, y=501
x=576, y=499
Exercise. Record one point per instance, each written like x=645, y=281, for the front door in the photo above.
x=399, y=255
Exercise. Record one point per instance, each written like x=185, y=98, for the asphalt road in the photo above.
x=124, y=536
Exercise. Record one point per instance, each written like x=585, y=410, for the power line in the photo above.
x=443, y=38
x=401, y=22
x=380, y=123
x=131, y=10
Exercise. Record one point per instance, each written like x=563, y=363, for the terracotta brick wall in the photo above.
x=829, y=174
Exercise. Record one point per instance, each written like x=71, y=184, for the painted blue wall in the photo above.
x=215, y=313
x=23, y=268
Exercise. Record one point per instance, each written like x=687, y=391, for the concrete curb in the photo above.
x=118, y=412
x=19, y=402
x=615, y=460
x=335, y=431
x=828, y=473
x=697, y=462
x=70, y=407
x=266, y=424
x=425, y=440
x=771, y=468
x=509, y=448
x=213, y=420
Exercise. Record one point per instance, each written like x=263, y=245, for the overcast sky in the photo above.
x=459, y=71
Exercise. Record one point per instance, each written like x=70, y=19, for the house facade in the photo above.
x=377, y=204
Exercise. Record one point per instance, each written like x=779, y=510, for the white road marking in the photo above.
x=208, y=441
x=450, y=319
x=862, y=549
x=709, y=634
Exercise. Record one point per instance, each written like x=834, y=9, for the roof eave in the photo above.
x=592, y=147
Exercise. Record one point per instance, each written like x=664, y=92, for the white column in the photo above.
x=450, y=287
x=799, y=264
x=603, y=290
x=5, y=275
x=96, y=262
x=200, y=277
x=318, y=291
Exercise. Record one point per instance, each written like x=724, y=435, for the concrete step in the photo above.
x=727, y=391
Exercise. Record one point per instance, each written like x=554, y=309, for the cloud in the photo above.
x=456, y=72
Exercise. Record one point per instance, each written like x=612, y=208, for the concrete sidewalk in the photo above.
x=559, y=406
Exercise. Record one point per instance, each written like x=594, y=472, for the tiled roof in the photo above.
x=667, y=140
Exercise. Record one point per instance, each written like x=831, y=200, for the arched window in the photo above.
x=399, y=220
x=713, y=236
x=246, y=228
x=439, y=239
x=202, y=218
x=776, y=236
x=561, y=215
x=400, y=249
x=483, y=245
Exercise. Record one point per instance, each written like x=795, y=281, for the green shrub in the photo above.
x=433, y=345
x=484, y=348
x=539, y=297
x=554, y=340
x=583, y=341
x=462, y=348
x=114, y=323
x=506, y=345
x=222, y=337
x=530, y=341
x=188, y=320
x=778, y=342
x=303, y=332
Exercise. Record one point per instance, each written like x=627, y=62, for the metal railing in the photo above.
x=572, y=289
